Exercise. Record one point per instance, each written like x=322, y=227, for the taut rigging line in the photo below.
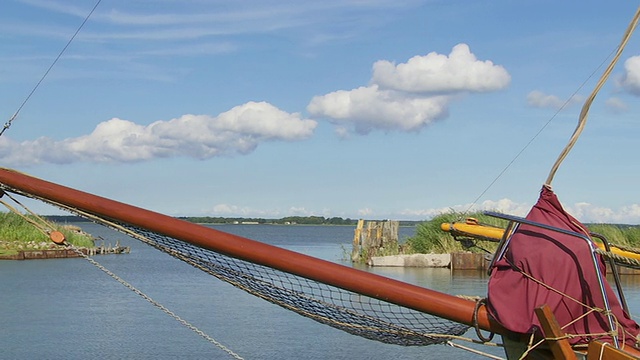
x=15, y=115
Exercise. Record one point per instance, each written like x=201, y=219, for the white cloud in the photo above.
x=584, y=212
x=237, y=131
x=589, y=213
x=132, y=30
x=409, y=96
x=436, y=73
x=506, y=206
x=369, y=108
x=179, y=20
x=616, y=105
x=226, y=210
x=298, y=211
x=539, y=99
x=630, y=80
x=342, y=132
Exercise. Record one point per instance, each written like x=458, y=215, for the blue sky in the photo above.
x=379, y=109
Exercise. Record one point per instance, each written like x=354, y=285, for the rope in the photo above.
x=475, y=321
x=591, y=309
x=38, y=222
x=477, y=352
x=155, y=303
x=535, y=136
x=46, y=227
x=15, y=115
x=585, y=108
x=619, y=259
x=626, y=248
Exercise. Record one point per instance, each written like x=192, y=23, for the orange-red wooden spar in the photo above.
x=375, y=286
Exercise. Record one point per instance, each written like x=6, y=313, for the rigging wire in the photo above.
x=155, y=303
x=535, y=136
x=15, y=115
x=585, y=108
x=583, y=115
x=80, y=253
x=46, y=227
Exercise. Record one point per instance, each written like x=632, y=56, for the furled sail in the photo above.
x=542, y=266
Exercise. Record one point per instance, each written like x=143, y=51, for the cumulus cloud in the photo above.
x=539, y=99
x=368, y=108
x=589, y=213
x=237, y=131
x=630, y=80
x=460, y=71
x=411, y=95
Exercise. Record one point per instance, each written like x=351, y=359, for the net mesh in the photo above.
x=342, y=309
x=351, y=312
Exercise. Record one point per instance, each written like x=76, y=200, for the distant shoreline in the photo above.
x=290, y=220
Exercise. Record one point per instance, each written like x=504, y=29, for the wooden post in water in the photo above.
x=356, y=250
x=379, y=236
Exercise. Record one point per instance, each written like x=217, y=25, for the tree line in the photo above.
x=288, y=220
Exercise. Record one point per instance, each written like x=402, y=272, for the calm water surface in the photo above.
x=68, y=309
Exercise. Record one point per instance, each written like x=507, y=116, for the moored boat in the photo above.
x=548, y=295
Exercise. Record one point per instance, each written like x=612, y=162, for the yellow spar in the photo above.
x=472, y=228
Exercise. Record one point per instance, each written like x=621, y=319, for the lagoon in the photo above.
x=68, y=309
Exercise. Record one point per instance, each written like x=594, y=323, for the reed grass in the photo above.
x=623, y=235
x=430, y=238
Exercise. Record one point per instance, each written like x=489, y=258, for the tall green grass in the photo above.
x=18, y=234
x=430, y=238
x=623, y=235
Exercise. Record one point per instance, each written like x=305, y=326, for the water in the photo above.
x=68, y=309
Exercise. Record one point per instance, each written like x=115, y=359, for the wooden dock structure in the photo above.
x=63, y=253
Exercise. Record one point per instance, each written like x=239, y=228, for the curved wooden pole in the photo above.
x=582, y=120
x=365, y=283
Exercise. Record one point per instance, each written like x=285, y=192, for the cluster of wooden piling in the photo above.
x=376, y=243
x=374, y=239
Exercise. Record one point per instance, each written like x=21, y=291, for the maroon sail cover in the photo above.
x=564, y=263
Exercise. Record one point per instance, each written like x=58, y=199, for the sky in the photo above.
x=378, y=109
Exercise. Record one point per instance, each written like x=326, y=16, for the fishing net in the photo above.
x=345, y=310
